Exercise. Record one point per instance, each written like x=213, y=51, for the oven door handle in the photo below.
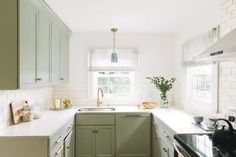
x=176, y=148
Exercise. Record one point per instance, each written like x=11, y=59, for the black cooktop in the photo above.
x=202, y=145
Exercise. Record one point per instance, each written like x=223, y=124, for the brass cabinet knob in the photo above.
x=39, y=79
x=165, y=150
x=95, y=131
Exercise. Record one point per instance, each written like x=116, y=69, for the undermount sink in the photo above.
x=98, y=109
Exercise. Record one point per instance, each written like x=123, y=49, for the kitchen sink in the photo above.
x=98, y=109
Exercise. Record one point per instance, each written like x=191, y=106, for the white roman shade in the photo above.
x=195, y=46
x=100, y=60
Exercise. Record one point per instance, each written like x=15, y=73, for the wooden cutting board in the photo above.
x=17, y=111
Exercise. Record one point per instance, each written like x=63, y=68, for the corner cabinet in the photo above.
x=58, y=144
x=133, y=134
x=27, y=46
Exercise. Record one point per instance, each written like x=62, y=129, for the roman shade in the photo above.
x=194, y=47
x=100, y=60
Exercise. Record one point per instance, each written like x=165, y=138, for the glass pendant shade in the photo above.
x=114, y=57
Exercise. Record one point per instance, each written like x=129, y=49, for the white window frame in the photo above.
x=112, y=96
x=213, y=98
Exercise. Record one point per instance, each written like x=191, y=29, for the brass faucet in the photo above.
x=98, y=100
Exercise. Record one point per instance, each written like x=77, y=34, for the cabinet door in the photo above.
x=55, y=55
x=69, y=145
x=85, y=141
x=105, y=141
x=43, y=51
x=155, y=142
x=64, y=58
x=28, y=33
x=133, y=135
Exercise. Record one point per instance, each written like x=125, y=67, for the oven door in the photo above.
x=180, y=151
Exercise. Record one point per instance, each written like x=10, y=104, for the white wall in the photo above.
x=156, y=58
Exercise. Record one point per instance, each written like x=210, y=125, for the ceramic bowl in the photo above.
x=198, y=119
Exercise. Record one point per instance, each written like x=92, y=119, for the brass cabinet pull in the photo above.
x=133, y=115
x=61, y=78
x=59, y=151
x=165, y=134
x=58, y=140
x=69, y=127
x=95, y=131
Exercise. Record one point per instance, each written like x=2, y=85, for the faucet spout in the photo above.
x=98, y=97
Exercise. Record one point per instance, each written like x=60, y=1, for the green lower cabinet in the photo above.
x=155, y=142
x=95, y=141
x=105, y=141
x=133, y=135
x=85, y=141
x=166, y=149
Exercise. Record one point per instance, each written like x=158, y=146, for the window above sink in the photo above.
x=117, y=84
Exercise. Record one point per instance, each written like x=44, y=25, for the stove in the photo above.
x=202, y=145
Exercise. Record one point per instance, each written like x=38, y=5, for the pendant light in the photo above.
x=114, y=55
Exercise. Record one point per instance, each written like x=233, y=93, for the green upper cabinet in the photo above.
x=133, y=135
x=60, y=56
x=28, y=45
x=55, y=55
x=43, y=51
x=8, y=44
x=64, y=58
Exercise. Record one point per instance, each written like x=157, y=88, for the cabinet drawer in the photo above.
x=69, y=126
x=58, y=151
x=95, y=119
x=58, y=137
x=166, y=133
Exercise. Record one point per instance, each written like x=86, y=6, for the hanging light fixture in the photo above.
x=114, y=55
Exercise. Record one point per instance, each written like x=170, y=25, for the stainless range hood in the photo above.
x=222, y=50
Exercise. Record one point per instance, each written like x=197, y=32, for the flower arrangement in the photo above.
x=163, y=85
x=67, y=103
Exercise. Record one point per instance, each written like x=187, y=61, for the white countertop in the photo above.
x=46, y=126
x=51, y=121
x=178, y=120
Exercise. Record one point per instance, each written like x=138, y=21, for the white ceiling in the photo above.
x=134, y=15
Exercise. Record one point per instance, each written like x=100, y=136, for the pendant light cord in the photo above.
x=114, y=39
x=114, y=42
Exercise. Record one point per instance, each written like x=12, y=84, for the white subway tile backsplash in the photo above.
x=226, y=4
x=233, y=85
x=224, y=84
x=227, y=87
x=226, y=17
x=226, y=71
x=35, y=96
